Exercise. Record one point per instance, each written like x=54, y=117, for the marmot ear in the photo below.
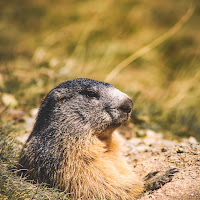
x=61, y=96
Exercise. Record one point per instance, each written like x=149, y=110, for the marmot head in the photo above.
x=82, y=106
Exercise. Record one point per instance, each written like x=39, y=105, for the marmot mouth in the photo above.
x=106, y=134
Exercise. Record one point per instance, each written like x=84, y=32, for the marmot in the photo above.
x=73, y=147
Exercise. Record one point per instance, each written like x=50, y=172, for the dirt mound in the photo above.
x=154, y=153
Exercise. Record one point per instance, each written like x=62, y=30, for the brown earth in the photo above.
x=154, y=153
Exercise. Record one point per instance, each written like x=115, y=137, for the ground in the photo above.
x=154, y=153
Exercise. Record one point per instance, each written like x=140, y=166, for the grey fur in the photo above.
x=67, y=122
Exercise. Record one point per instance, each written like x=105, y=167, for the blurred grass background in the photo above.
x=45, y=42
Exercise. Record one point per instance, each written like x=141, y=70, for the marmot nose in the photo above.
x=126, y=106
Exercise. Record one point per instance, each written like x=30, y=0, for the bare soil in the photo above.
x=154, y=153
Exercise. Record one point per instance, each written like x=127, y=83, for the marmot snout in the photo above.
x=73, y=147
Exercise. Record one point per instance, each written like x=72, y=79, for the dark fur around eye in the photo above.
x=90, y=93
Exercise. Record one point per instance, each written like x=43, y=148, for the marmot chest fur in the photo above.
x=73, y=147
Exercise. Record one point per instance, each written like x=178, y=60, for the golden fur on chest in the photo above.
x=100, y=171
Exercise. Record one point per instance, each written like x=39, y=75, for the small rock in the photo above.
x=164, y=149
x=180, y=150
x=192, y=140
x=9, y=100
x=141, y=134
x=151, y=196
x=34, y=112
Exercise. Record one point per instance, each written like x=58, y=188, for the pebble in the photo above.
x=141, y=134
x=34, y=112
x=180, y=150
x=192, y=140
x=9, y=100
x=164, y=149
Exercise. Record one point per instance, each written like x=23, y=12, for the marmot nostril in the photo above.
x=126, y=106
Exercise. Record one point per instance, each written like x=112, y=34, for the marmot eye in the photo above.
x=90, y=93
